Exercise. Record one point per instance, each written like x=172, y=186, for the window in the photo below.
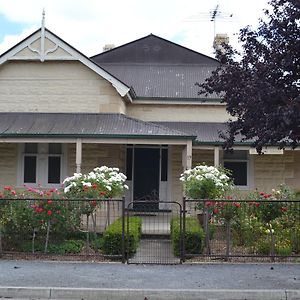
x=30, y=163
x=42, y=163
x=237, y=163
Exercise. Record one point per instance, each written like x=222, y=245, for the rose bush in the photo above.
x=102, y=182
x=206, y=182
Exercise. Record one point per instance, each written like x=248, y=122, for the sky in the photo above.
x=90, y=24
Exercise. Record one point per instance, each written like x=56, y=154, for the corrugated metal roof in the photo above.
x=204, y=132
x=85, y=124
x=158, y=68
x=162, y=81
x=153, y=49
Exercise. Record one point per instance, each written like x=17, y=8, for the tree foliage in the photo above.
x=261, y=85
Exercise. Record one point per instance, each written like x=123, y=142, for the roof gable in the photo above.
x=153, y=49
x=43, y=45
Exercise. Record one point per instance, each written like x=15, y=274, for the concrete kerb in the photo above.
x=140, y=294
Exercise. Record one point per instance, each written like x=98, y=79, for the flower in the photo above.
x=49, y=201
x=101, y=182
x=206, y=182
x=49, y=212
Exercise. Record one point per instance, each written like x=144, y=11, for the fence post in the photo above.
x=123, y=230
x=227, y=222
x=183, y=230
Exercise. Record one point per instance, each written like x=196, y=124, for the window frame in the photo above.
x=42, y=166
x=245, y=160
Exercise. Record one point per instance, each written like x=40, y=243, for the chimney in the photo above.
x=108, y=47
x=220, y=38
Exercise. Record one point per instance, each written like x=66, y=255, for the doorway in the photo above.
x=146, y=178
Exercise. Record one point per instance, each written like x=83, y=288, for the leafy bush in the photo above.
x=65, y=247
x=112, y=237
x=194, y=236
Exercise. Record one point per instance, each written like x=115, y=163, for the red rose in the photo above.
x=284, y=209
x=49, y=212
x=93, y=203
x=49, y=201
x=238, y=205
x=94, y=186
x=216, y=211
x=8, y=188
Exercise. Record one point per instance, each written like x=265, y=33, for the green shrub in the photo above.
x=112, y=237
x=194, y=236
x=65, y=247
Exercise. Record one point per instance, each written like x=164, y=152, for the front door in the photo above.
x=146, y=178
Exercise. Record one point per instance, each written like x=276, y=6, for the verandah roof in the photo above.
x=109, y=125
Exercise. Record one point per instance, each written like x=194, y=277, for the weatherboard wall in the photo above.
x=272, y=170
x=8, y=164
x=178, y=112
x=56, y=87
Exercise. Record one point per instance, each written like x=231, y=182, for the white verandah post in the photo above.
x=78, y=155
x=187, y=156
x=216, y=156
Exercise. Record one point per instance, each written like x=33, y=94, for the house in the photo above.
x=135, y=107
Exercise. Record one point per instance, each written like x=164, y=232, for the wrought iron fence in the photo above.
x=199, y=230
x=243, y=230
x=50, y=228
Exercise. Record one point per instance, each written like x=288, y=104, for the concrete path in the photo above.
x=155, y=251
x=90, y=281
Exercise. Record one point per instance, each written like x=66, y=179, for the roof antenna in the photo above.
x=43, y=36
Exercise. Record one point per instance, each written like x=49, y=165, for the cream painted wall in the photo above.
x=8, y=164
x=201, y=156
x=180, y=113
x=96, y=155
x=56, y=87
x=273, y=170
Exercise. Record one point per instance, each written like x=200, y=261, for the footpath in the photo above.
x=91, y=281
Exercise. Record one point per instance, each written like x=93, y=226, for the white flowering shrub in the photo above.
x=206, y=182
x=102, y=182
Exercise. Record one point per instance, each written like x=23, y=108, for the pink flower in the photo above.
x=49, y=201
x=49, y=212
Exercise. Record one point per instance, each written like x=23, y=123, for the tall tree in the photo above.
x=261, y=84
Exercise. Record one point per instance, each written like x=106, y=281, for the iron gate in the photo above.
x=160, y=239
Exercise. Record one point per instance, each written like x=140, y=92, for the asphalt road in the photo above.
x=116, y=275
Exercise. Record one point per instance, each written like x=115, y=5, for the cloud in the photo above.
x=89, y=25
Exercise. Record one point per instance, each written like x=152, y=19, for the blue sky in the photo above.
x=89, y=27
x=8, y=27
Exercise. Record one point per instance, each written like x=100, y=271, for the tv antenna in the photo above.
x=213, y=16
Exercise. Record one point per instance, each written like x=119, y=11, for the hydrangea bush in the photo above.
x=206, y=182
x=102, y=182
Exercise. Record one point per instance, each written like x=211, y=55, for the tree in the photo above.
x=261, y=85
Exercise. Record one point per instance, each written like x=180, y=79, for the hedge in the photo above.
x=194, y=236
x=112, y=237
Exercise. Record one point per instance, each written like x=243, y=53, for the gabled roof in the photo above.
x=153, y=49
x=158, y=69
x=108, y=125
x=34, y=47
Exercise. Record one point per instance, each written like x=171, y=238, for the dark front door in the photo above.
x=146, y=178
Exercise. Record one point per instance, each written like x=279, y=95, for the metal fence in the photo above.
x=245, y=230
x=52, y=228
x=163, y=232
x=156, y=242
